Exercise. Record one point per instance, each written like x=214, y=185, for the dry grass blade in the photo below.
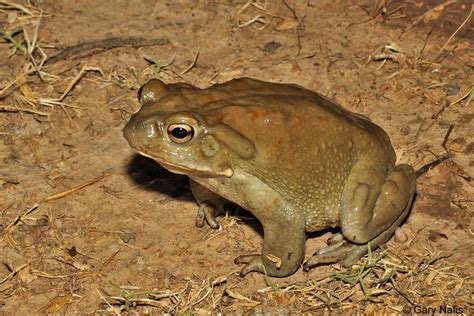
x=79, y=76
x=257, y=19
x=33, y=46
x=158, y=66
x=127, y=300
x=111, y=308
x=74, y=189
x=13, y=273
x=241, y=297
x=457, y=30
x=191, y=66
x=14, y=82
x=20, y=217
x=468, y=97
x=253, y=3
x=9, y=37
x=7, y=108
x=9, y=5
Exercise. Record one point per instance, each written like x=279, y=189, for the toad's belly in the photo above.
x=317, y=220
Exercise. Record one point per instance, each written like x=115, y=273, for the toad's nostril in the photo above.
x=149, y=127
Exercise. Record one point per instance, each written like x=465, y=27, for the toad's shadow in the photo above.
x=149, y=175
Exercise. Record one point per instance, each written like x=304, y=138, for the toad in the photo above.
x=295, y=159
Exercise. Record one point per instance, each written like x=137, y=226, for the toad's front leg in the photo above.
x=210, y=205
x=283, y=243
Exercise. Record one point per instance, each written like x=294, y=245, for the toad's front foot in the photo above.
x=338, y=250
x=207, y=212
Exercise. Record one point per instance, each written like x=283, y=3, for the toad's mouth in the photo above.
x=179, y=169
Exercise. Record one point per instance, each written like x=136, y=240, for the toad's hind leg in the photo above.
x=368, y=212
x=369, y=216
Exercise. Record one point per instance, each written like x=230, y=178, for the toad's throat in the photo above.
x=179, y=169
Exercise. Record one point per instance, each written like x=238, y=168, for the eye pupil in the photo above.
x=179, y=132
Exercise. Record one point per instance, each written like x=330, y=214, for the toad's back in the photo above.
x=306, y=145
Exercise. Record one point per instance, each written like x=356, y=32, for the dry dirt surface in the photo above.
x=87, y=226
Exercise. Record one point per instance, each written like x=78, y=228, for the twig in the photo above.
x=295, y=17
x=446, y=137
x=109, y=259
x=422, y=50
x=97, y=47
x=74, y=189
x=431, y=165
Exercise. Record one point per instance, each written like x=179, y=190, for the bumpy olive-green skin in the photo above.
x=296, y=160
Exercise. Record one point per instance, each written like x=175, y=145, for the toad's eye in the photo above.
x=180, y=133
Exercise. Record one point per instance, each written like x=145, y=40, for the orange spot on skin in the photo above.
x=259, y=113
x=210, y=98
x=323, y=119
x=274, y=203
x=293, y=122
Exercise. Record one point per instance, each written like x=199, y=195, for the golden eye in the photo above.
x=180, y=133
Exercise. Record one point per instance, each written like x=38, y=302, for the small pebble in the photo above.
x=140, y=262
x=452, y=89
x=127, y=236
x=400, y=236
x=405, y=130
x=42, y=221
x=72, y=251
x=271, y=46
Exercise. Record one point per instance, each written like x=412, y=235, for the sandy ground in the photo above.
x=124, y=240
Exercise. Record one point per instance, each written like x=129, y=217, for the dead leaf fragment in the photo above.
x=58, y=303
x=286, y=24
x=26, y=276
x=240, y=297
x=26, y=91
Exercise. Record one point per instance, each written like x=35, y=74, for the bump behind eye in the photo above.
x=180, y=133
